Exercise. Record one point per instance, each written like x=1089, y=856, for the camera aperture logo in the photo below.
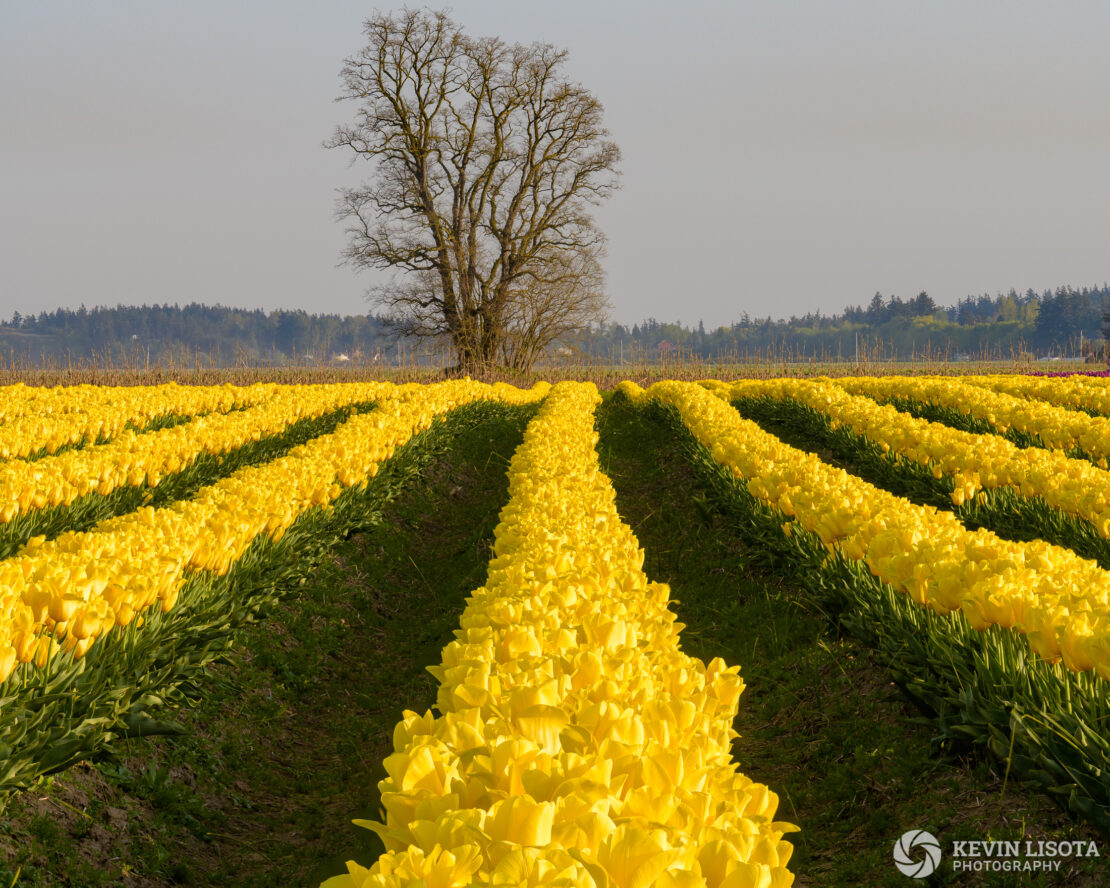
x=917, y=854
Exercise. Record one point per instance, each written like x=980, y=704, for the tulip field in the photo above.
x=955, y=528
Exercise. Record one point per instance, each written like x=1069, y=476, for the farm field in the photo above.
x=215, y=608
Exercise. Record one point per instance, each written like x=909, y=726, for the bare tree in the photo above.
x=488, y=162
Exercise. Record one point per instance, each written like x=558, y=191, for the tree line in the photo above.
x=219, y=333
x=1051, y=322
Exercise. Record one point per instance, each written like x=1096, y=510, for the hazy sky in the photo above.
x=779, y=157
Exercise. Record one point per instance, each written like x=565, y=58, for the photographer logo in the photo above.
x=917, y=854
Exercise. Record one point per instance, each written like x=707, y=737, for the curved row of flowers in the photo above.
x=68, y=591
x=1075, y=392
x=144, y=459
x=1061, y=602
x=975, y=462
x=1057, y=427
x=577, y=745
x=49, y=419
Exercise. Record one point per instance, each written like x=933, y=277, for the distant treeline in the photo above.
x=1063, y=321
x=166, y=332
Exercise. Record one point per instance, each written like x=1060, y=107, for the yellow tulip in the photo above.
x=521, y=821
x=8, y=658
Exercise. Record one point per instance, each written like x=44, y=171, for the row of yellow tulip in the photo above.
x=20, y=399
x=77, y=586
x=1059, y=600
x=1059, y=428
x=577, y=746
x=137, y=459
x=1075, y=392
x=974, y=461
x=59, y=417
